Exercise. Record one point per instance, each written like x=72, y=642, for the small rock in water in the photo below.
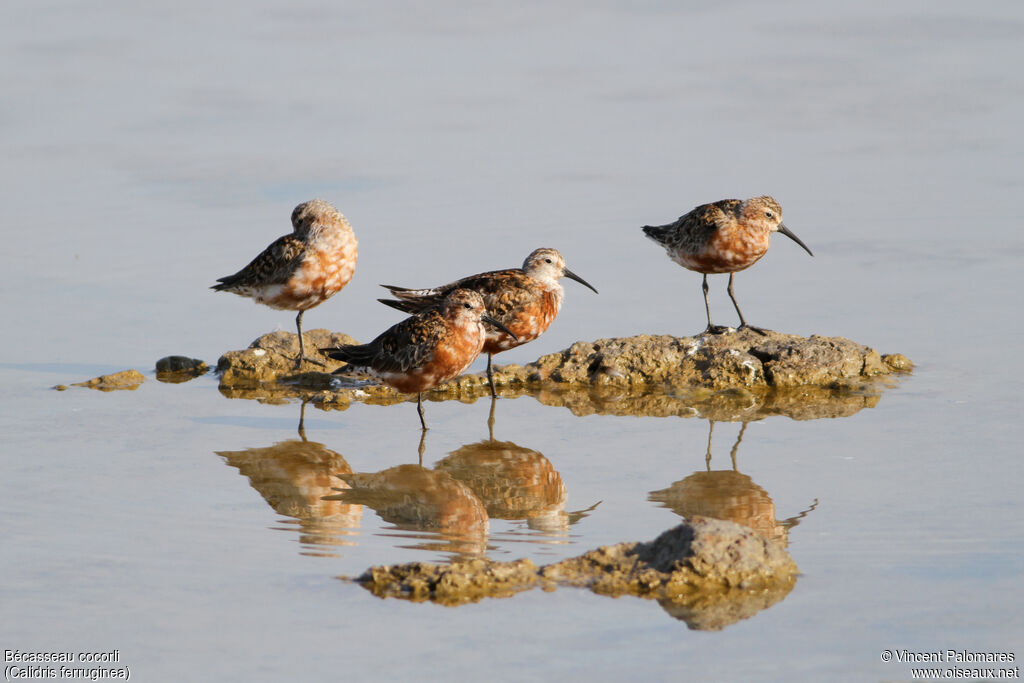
x=176, y=369
x=126, y=379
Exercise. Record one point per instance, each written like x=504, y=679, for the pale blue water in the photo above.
x=150, y=148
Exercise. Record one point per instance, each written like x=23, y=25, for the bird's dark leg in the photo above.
x=419, y=409
x=743, y=323
x=302, y=346
x=490, y=376
x=710, y=329
x=707, y=304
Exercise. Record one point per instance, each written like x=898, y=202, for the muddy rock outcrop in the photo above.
x=701, y=554
x=740, y=375
x=705, y=571
x=711, y=361
x=269, y=363
x=126, y=379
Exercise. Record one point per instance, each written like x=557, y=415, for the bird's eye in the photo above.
x=466, y=306
x=547, y=260
x=769, y=214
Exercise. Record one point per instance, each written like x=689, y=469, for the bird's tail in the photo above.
x=412, y=300
x=223, y=283
x=408, y=294
x=405, y=306
x=657, y=232
x=356, y=355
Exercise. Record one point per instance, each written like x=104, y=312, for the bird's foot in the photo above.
x=760, y=330
x=299, y=360
x=717, y=329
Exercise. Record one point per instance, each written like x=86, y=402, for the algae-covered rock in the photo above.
x=701, y=554
x=706, y=571
x=270, y=360
x=126, y=379
x=462, y=581
x=739, y=375
x=897, y=362
x=743, y=358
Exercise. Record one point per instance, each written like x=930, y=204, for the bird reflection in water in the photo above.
x=453, y=503
x=293, y=476
x=732, y=496
x=728, y=495
x=514, y=483
x=416, y=499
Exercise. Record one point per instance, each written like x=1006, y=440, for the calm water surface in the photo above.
x=150, y=149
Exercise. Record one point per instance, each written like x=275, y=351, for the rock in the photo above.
x=737, y=359
x=126, y=379
x=740, y=375
x=706, y=571
x=177, y=369
x=701, y=554
x=462, y=581
x=270, y=361
x=897, y=362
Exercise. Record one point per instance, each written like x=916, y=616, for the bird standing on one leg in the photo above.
x=726, y=236
x=425, y=350
x=524, y=300
x=303, y=269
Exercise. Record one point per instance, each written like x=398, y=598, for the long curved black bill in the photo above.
x=491, y=321
x=573, y=276
x=785, y=231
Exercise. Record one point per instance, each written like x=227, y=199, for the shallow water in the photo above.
x=150, y=149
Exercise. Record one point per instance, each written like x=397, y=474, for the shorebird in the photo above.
x=524, y=300
x=726, y=236
x=303, y=269
x=425, y=350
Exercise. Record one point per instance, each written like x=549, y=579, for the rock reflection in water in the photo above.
x=513, y=482
x=293, y=477
x=715, y=611
x=728, y=495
